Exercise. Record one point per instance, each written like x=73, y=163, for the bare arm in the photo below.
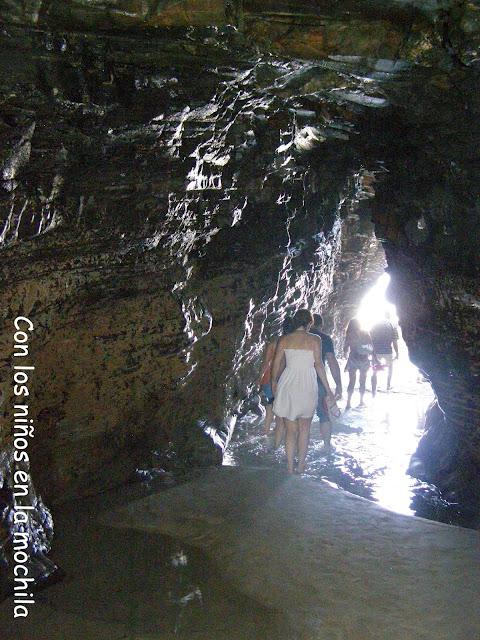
x=335, y=371
x=395, y=340
x=278, y=364
x=320, y=369
x=346, y=347
x=395, y=347
x=367, y=339
x=267, y=356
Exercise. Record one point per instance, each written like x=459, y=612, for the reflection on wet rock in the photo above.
x=176, y=176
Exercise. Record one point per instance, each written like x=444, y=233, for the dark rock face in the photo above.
x=430, y=232
x=163, y=228
x=169, y=192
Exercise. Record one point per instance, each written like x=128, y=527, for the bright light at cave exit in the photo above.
x=374, y=305
x=394, y=421
x=371, y=310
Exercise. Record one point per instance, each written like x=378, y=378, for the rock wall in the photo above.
x=169, y=192
x=432, y=246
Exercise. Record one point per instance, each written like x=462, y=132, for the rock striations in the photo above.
x=177, y=175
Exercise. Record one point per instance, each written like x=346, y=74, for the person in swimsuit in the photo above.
x=358, y=346
x=297, y=362
x=385, y=342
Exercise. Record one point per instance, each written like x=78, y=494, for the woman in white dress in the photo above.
x=297, y=362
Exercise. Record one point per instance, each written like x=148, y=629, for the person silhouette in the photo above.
x=328, y=356
x=385, y=342
x=358, y=346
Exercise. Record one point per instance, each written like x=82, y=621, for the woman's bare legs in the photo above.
x=291, y=442
x=303, y=440
x=363, y=378
x=268, y=418
x=279, y=431
x=374, y=383
x=351, y=386
x=390, y=372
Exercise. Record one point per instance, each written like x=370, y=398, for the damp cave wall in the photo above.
x=177, y=176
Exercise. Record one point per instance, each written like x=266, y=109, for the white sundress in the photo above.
x=297, y=390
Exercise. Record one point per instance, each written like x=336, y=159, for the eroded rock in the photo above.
x=169, y=192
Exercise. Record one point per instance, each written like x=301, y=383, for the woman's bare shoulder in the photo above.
x=271, y=346
x=281, y=341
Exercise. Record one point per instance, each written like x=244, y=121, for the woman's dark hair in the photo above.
x=353, y=327
x=302, y=318
x=287, y=326
x=317, y=320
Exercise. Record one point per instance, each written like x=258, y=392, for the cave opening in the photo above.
x=395, y=417
x=176, y=176
x=373, y=446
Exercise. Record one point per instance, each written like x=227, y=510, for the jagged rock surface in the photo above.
x=169, y=191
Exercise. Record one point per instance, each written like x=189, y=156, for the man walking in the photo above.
x=385, y=341
x=328, y=355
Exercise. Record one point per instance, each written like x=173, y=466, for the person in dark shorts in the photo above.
x=359, y=348
x=385, y=342
x=328, y=356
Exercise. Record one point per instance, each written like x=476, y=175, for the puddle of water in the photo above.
x=131, y=584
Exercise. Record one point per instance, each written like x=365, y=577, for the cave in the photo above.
x=177, y=178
